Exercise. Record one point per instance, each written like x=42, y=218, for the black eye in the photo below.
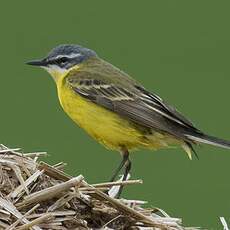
x=62, y=60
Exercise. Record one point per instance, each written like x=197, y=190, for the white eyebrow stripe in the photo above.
x=72, y=55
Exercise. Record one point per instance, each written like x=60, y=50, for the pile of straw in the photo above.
x=36, y=195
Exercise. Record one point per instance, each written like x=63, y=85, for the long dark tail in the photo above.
x=210, y=140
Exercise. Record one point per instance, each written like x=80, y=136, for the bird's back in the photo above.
x=106, y=126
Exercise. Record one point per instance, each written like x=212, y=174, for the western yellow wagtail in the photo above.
x=115, y=109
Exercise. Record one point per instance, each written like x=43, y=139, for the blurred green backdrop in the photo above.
x=179, y=49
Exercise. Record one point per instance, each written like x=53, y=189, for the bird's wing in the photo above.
x=134, y=103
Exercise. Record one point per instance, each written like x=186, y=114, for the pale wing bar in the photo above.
x=136, y=107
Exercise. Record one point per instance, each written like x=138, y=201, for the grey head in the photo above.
x=64, y=57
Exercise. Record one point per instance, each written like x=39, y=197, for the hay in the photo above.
x=35, y=195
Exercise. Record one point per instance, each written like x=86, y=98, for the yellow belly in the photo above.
x=107, y=127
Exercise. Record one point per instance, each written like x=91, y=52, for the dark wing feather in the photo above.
x=135, y=104
x=153, y=98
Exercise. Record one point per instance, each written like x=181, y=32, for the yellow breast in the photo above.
x=105, y=126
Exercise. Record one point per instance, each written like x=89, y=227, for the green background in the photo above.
x=179, y=49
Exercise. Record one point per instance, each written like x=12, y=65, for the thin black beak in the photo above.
x=41, y=62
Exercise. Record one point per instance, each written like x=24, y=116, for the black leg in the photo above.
x=125, y=157
x=128, y=165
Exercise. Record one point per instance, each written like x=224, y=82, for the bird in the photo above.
x=116, y=110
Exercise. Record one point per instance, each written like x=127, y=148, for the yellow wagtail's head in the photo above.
x=62, y=58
